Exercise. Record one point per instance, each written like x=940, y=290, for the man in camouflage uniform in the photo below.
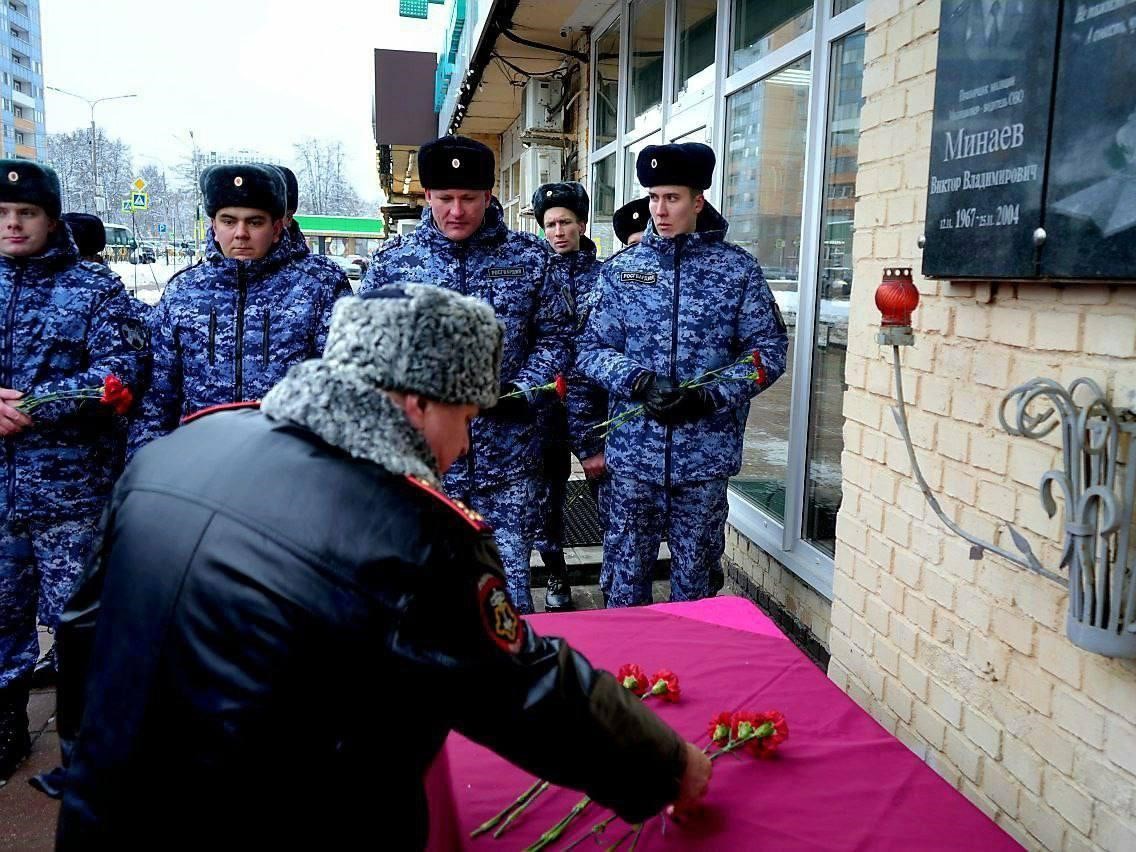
x=227, y=329
x=681, y=303
x=67, y=326
x=463, y=245
x=562, y=211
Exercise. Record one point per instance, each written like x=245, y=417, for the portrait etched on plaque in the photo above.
x=1090, y=214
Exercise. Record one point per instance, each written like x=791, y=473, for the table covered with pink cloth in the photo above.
x=840, y=782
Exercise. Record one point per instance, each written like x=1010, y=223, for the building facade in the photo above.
x=21, y=80
x=820, y=112
x=241, y=157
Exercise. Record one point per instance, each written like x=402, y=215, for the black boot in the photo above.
x=558, y=596
x=15, y=744
x=45, y=671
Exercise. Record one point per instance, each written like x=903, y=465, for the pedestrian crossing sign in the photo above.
x=141, y=201
x=127, y=206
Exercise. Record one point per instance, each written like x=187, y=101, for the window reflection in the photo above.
x=606, y=87
x=834, y=292
x=763, y=187
x=762, y=26
x=645, y=94
x=697, y=20
x=603, y=205
x=631, y=187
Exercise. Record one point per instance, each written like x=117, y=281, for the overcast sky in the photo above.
x=239, y=73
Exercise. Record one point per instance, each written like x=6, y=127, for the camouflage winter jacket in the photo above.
x=575, y=277
x=320, y=265
x=67, y=325
x=227, y=330
x=509, y=271
x=680, y=307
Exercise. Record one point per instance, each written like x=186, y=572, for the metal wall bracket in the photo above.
x=1098, y=485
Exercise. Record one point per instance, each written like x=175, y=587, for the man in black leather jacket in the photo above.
x=291, y=617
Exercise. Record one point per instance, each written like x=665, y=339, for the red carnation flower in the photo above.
x=764, y=746
x=742, y=724
x=720, y=727
x=116, y=395
x=759, y=368
x=664, y=684
x=561, y=386
x=632, y=677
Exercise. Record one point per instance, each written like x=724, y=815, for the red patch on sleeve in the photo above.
x=502, y=623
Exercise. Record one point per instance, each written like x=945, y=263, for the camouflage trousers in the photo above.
x=694, y=519
x=513, y=510
x=40, y=562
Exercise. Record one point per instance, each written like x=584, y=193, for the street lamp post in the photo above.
x=92, y=103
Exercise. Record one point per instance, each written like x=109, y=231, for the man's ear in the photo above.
x=414, y=407
x=699, y=202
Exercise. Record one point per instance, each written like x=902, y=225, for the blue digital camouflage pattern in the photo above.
x=569, y=425
x=507, y=270
x=681, y=307
x=511, y=508
x=67, y=325
x=39, y=564
x=321, y=266
x=576, y=278
x=227, y=330
x=693, y=515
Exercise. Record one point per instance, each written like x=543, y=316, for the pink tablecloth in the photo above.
x=840, y=782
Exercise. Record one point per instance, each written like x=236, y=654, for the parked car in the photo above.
x=144, y=253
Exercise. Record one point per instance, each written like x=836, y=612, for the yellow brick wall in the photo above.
x=792, y=594
x=967, y=662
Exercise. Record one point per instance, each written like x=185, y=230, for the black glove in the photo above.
x=673, y=405
x=644, y=384
x=515, y=408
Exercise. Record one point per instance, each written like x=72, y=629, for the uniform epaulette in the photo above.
x=467, y=514
x=182, y=271
x=213, y=409
x=99, y=269
x=617, y=254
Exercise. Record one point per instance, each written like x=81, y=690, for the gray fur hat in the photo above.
x=419, y=339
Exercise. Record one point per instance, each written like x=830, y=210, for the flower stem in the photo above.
x=638, y=834
x=557, y=831
x=765, y=730
x=598, y=828
x=619, y=842
x=520, y=808
x=520, y=801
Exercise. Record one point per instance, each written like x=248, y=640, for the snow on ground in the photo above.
x=146, y=280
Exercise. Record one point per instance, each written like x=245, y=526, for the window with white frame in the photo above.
x=775, y=87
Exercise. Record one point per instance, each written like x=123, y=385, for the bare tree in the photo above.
x=322, y=175
x=70, y=155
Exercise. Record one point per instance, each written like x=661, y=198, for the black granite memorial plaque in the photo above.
x=993, y=89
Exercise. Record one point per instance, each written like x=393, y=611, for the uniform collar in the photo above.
x=282, y=251
x=585, y=254
x=344, y=407
x=710, y=228
x=491, y=232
